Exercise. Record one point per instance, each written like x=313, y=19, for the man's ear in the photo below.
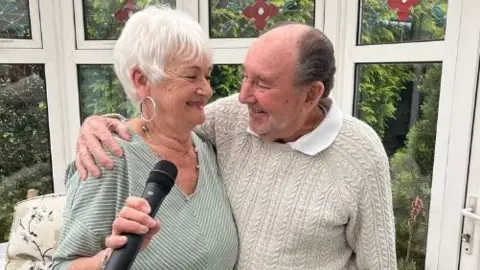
x=139, y=82
x=314, y=93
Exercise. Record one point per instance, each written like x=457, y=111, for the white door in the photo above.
x=413, y=77
x=470, y=251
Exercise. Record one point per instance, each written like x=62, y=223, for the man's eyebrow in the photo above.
x=259, y=77
x=194, y=67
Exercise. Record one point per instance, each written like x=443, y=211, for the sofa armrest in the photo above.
x=35, y=232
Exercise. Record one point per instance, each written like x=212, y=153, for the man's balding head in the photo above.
x=313, y=54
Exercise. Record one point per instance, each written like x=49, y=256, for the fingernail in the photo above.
x=151, y=223
x=110, y=165
x=123, y=238
x=144, y=229
x=146, y=209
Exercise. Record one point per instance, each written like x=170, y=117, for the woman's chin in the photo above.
x=197, y=120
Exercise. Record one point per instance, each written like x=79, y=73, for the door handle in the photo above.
x=470, y=213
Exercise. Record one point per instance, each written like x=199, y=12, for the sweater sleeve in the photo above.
x=371, y=232
x=89, y=212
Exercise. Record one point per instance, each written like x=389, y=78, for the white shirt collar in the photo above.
x=322, y=136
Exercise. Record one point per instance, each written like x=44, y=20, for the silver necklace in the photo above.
x=159, y=154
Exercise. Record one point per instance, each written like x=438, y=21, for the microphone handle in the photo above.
x=123, y=258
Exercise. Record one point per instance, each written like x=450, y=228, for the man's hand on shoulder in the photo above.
x=95, y=134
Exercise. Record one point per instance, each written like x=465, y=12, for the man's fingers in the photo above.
x=139, y=204
x=81, y=169
x=115, y=241
x=119, y=127
x=86, y=160
x=113, y=125
x=96, y=149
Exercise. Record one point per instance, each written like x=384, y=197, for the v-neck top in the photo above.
x=197, y=231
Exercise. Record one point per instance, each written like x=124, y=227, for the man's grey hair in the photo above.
x=152, y=39
x=316, y=59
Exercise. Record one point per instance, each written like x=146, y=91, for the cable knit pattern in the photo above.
x=329, y=211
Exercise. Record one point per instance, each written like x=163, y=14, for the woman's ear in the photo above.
x=139, y=82
x=314, y=94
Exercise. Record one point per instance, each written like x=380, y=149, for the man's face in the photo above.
x=268, y=89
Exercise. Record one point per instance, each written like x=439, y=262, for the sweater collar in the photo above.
x=322, y=136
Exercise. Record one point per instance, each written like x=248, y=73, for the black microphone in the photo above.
x=159, y=183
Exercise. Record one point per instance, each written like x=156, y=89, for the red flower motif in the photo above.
x=260, y=12
x=126, y=11
x=403, y=7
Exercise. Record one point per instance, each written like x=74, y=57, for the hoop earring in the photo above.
x=142, y=116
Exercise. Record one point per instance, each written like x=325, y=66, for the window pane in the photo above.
x=25, y=161
x=246, y=18
x=101, y=92
x=400, y=101
x=104, y=19
x=15, y=19
x=391, y=21
x=226, y=80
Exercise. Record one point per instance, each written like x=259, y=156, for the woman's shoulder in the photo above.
x=203, y=144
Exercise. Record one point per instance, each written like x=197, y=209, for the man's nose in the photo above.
x=246, y=93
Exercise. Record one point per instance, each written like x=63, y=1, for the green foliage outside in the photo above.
x=227, y=20
x=384, y=95
x=100, y=24
x=24, y=138
x=101, y=92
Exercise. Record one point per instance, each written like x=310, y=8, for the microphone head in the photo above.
x=164, y=173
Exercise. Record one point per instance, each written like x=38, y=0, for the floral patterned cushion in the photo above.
x=35, y=232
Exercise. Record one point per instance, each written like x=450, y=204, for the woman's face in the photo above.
x=182, y=97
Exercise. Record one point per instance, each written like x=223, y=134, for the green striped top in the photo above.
x=197, y=231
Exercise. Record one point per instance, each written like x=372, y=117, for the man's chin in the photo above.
x=264, y=135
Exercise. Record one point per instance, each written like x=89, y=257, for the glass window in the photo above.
x=15, y=19
x=247, y=18
x=400, y=101
x=226, y=80
x=395, y=21
x=101, y=92
x=25, y=160
x=104, y=19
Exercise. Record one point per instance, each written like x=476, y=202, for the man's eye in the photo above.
x=193, y=77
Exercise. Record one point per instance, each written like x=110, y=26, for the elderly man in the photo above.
x=309, y=186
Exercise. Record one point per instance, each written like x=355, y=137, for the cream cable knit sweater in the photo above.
x=329, y=211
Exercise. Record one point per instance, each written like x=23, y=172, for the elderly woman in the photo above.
x=163, y=60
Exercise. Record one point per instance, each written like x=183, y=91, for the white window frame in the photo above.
x=79, y=29
x=233, y=50
x=461, y=127
x=36, y=41
x=450, y=168
x=48, y=57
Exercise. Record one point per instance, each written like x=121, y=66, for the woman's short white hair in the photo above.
x=151, y=39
